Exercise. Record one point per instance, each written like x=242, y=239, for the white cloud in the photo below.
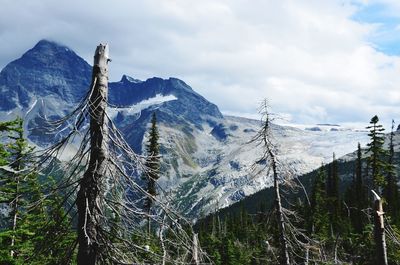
x=309, y=58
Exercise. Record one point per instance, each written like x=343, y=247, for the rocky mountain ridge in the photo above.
x=206, y=164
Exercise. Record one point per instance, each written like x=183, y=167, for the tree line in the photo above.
x=98, y=210
x=35, y=226
x=333, y=222
x=38, y=223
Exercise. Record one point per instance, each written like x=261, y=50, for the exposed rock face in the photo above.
x=207, y=162
x=48, y=68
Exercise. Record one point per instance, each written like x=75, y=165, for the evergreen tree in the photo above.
x=52, y=236
x=391, y=190
x=153, y=164
x=377, y=154
x=358, y=195
x=36, y=230
x=333, y=197
x=319, y=225
x=15, y=188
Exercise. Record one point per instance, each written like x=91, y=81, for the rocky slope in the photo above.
x=207, y=163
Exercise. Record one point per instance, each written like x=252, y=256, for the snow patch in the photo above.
x=138, y=107
x=326, y=127
x=30, y=109
x=132, y=80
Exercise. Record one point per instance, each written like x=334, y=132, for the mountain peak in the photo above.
x=47, y=43
x=127, y=78
x=47, y=48
x=48, y=68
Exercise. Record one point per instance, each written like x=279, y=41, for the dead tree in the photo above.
x=264, y=137
x=104, y=175
x=294, y=244
x=195, y=254
x=379, y=231
x=278, y=203
x=88, y=198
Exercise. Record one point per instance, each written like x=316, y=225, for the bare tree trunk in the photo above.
x=379, y=231
x=89, y=195
x=161, y=236
x=15, y=205
x=284, y=256
x=195, y=253
x=15, y=215
x=307, y=256
x=336, y=250
x=148, y=223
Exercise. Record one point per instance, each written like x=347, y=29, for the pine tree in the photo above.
x=21, y=191
x=377, y=154
x=7, y=195
x=14, y=186
x=359, y=200
x=333, y=196
x=153, y=164
x=37, y=229
x=391, y=190
x=53, y=239
x=319, y=224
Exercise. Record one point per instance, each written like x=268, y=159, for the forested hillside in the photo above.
x=329, y=211
x=87, y=182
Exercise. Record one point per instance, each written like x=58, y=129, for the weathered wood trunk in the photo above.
x=379, y=231
x=195, y=247
x=15, y=207
x=89, y=199
x=284, y=255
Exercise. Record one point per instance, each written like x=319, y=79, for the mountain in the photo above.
x=45, y=69
x=175, y=103
x=207, y=162
x=346, y=165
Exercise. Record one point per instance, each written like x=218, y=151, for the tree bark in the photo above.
x=379, y=231
x=15, y=207
x=195, y=253
x=89, y=198
x=284, y=256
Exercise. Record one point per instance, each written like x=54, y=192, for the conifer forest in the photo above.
x=285, y=151
x=104, y=205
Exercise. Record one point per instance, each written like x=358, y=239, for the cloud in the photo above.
x=312, y=59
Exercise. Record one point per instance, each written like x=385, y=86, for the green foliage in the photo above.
x=318, y=216
x=153, y=159
x=153, y=166
x=377, y=154
x=356, y=197
x=36, y=230
x=239, y=239
x=391, y=189
x=333, y=196
x=338, y=219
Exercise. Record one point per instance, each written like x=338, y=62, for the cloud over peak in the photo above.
x=315, y=60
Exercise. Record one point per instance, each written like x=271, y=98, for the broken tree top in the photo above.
x=101, y=56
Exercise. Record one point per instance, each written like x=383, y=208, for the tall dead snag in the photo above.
x=379, y=231
x=264, y=137
x=195, y=254
x=89, y=198
x=106, y=172
x=278, y=204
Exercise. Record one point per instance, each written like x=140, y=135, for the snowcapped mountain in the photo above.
x=207, y=162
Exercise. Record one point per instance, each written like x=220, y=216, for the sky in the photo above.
x=315, y=61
